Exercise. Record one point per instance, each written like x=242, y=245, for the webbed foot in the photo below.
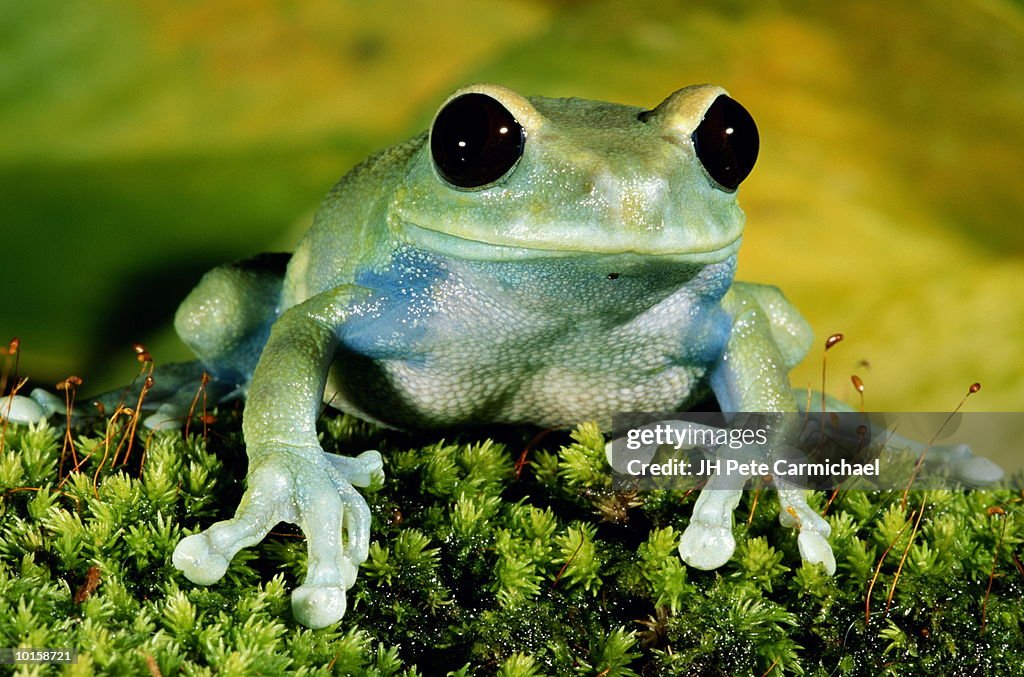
x=174, y=392
x=308, y=488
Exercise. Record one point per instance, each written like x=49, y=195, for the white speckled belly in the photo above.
x=550, y=342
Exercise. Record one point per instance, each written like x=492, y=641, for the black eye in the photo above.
x=475, y=141
x=726, y=142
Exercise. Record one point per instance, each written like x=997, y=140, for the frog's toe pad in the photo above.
x=706, y=547
x=317, y=606
x=371, y=469
x=200, y=562
x=19, y=409
x=815, y=549
x=39, y=405
x=977, y=471
x=166, y=417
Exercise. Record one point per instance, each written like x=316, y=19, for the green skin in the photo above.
x=416, y=304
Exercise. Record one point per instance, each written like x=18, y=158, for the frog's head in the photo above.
x=505, y=177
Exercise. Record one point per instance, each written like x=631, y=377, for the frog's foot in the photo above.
x=708, y=543
x=963, y=465
x=306, y=489
x=38, y=406
x=957, y=459
x=814, y=530
x=178, y=390
x=168, y=416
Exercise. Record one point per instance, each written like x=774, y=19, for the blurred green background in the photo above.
x=142, y=143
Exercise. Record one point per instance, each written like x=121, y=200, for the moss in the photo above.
x=479, y=569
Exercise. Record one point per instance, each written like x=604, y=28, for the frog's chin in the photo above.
x=450, y=245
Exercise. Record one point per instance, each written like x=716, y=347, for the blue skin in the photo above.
x=594, y=276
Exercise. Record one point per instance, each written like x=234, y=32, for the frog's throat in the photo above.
x=480, y=250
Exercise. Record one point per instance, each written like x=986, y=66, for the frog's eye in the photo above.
x=726, y=142
x=475, y=141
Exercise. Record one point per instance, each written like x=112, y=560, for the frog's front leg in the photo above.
x=767, y=337
x=290, y=478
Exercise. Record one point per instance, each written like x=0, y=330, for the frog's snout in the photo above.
x=638, y=202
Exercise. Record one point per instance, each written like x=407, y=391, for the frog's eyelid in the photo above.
x=684, y=109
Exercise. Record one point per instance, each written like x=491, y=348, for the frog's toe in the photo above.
x=317, y=606
x=815, y=549
x=362, y=471
x=706, y=547
x=373, y=467
x=199, y=561
x=39, y=405
x=20, y=409
x=167, y=416
x=707, y=542
x=965, y=466
x=814, y=530
x=977, y=471
x=204, y=557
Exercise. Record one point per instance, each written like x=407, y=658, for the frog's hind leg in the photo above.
x=225, y=321
x=958, y=459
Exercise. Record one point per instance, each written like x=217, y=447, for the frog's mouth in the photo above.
x=483, y=250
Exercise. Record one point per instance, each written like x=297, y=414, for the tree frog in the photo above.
x=525, y=261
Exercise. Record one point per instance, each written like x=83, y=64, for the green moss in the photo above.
x=476, y=569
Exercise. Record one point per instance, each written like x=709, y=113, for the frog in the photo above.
x=526, y=260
